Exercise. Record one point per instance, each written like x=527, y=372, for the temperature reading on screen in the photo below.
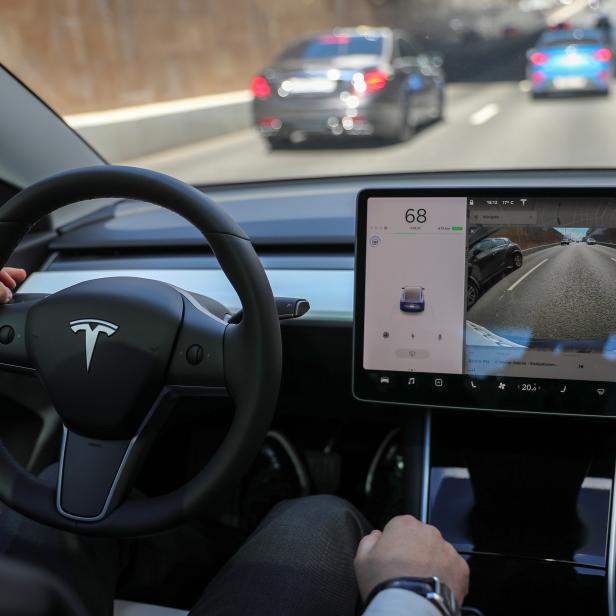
x=413, y=215
x=529, y=387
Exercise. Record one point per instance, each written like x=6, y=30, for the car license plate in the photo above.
x=569, y=83
x=299, y=85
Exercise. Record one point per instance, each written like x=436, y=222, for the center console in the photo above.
x=484, y=312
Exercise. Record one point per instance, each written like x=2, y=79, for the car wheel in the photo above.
x=406, y=129
x=517, y=260
x=440, y=110
x=472, y=294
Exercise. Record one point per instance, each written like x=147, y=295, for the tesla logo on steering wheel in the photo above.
x=92, y=328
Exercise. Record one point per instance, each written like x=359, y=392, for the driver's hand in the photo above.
x=10, y=277
x=408, y=548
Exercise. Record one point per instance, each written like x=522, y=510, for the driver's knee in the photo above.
x=320, y=513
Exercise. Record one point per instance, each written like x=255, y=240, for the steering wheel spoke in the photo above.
x=94, y=475
x=14, y=353
x=197, y=364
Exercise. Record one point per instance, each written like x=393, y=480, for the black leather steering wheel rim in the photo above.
x=252, y=347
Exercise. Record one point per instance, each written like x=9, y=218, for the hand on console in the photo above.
x=409, y=548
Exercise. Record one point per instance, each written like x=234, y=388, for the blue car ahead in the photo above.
x=412, y=299
x=567, y=61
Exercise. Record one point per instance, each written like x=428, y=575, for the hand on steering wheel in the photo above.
x=10, y=277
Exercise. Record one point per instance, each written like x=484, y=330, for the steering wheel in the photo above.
x=114, y=353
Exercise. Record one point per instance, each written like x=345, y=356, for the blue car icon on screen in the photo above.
x=412, y=299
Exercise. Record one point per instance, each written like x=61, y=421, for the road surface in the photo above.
x=560, y=293
x=487, y=126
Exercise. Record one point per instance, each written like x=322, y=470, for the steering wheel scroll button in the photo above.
x=7, y=334
x=13, y=316
x=194, y=354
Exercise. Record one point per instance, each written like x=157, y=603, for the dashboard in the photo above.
x=304, y=232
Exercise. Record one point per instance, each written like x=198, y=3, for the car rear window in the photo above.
x=335, y=45
x=577, y=37
x=412, y=295
x=571, y=41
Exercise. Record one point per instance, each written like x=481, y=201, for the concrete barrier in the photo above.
x=529, y=251
x=121, y=134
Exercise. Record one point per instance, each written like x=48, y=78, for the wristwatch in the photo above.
x=432, y=589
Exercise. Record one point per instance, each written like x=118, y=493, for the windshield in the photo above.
x=249, y=90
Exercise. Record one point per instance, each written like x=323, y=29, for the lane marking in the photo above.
x=484, y=114
x=612, y=258
x=528, y=273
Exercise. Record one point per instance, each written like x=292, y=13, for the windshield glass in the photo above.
x=246, y=90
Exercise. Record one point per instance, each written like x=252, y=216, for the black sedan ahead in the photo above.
x=487, y=259
x=370, y=82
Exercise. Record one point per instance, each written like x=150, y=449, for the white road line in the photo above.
x=484, y=114
x=612, y=258
x=528, y=273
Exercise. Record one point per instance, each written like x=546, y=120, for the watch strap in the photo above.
x=432, y=589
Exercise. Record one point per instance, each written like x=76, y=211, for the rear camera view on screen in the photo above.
x=540, y=290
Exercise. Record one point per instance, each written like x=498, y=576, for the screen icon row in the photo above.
x=481, y=386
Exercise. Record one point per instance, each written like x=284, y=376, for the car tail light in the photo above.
x=371, y=81
x=538, y=58
x=270, y=122
x=603, y=54
x=538, y=77
x=260, y=88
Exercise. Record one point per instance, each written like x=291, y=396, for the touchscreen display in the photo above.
x=474, y=296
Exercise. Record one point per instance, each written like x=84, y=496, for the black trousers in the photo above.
x=298, y=562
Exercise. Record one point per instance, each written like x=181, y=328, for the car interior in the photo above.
x=433, y=343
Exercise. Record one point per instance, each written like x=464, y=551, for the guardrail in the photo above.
x=130, y=132
x=529, y=251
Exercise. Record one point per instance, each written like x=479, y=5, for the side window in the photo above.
x=397, y=53
x=485, y=245
x=407, y=50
